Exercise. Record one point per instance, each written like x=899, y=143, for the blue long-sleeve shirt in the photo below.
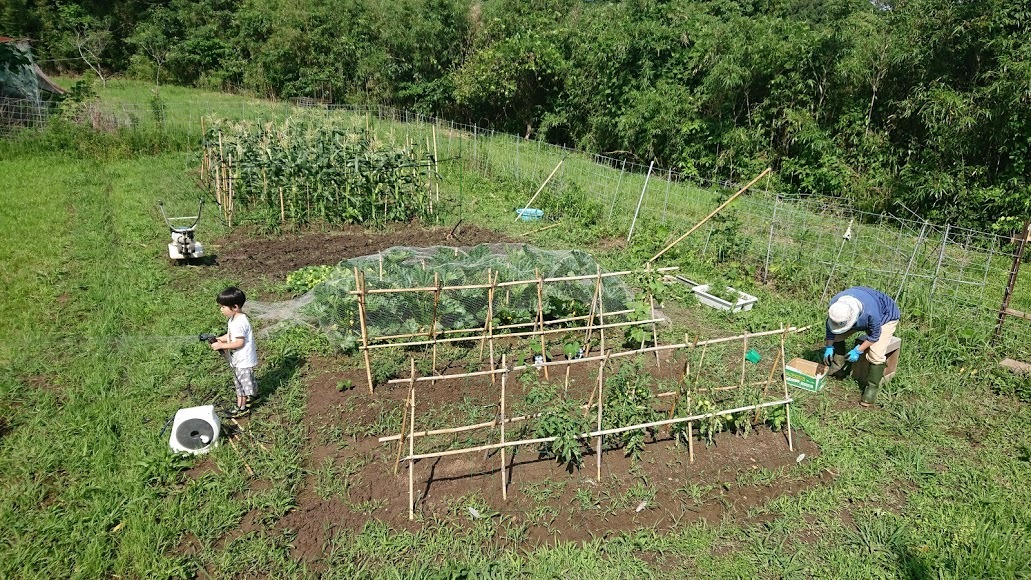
x=878, y=309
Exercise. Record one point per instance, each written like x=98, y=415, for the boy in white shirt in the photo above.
x=239, y=340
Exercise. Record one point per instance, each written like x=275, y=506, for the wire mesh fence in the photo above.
x=814, y=245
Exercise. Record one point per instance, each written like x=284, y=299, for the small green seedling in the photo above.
x=345, y=385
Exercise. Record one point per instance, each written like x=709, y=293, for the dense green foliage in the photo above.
x=924, y=102
x=314, y=168
x=515, y=307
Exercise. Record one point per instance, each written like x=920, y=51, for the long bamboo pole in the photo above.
x=769, y=379
x=540, y=318
x=590, y=316
x=514, y=282
x=714, y=212
x=703, y=344
x=601, y=317
x=509, y=335
x=601, y=404
x=655, y=332
x=640, y=200
x=433, y=320
x=411, y=460
x=504, y=382
x=787, y=397
x=500, y=327
x=540, y=189
x=359, y=280
x=404, y=420
x=596, y=434
x=518, y=419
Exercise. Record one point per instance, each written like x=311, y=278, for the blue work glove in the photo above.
x=853, y=355
x=828, y=354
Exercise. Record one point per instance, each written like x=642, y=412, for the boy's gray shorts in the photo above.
x=246, y=384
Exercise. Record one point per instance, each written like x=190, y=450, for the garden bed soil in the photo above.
x=543, y=495
x=546, y=501
x=250, y=259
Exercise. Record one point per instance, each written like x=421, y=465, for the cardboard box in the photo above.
x=805, y=374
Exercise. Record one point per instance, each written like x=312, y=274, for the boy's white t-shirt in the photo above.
x=246, y=356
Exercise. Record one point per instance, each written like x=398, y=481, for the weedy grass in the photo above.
x=99, y=353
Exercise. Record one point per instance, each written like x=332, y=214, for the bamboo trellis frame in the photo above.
x=598, y=434
x=487, y=333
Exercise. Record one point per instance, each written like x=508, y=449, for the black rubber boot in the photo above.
x=837, y=366
x=873, y=384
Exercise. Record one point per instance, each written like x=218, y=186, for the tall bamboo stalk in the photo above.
x=359, y=280
x=787, y=396
x=601, y=403
x=540, y=318
x=411, y=462
x=504, y=382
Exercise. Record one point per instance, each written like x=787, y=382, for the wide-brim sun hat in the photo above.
x=843, y=314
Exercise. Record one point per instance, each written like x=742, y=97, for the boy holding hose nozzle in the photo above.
x=861, y=309
x=242, y=355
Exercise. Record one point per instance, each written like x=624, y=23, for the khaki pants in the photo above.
x=877, y=353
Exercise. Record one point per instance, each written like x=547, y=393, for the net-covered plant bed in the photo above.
x=309, y=168
x=335, y=307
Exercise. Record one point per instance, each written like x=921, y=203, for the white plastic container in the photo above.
x=744, y=301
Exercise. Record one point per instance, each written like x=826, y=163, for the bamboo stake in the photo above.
x=601, y=315
x=744, y=359
x=404, y=420
x=504, y=381
x=501, y=327
x=539, y=189
x=595, y=434
x=282, y=207
x=489, y=316
x=565, y=387
x=769, y=379
x=651, y=302
x=586, y=359
x=518, y=419
x=237, y=449
x=230, y=188
x=714, y=212
x=640, y=200
x=359, y=280
x=490, y=331
x=411, y=462
x=590, y=316
x=540, y=316
x=787, y=404
x=433, y=320
x=601, y=403
x=684, y=377
x=510, y=283
x=544, y=229
x=220, y=187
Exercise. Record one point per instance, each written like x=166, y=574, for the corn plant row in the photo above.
x=307, y=169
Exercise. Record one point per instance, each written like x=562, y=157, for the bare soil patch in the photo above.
x=251, y=259
x=546, y=501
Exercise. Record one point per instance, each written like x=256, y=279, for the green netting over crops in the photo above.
x=514, y=307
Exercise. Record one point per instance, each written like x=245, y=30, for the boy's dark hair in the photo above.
x=231, y=296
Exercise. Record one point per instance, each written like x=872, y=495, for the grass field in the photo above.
x=100, y=352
